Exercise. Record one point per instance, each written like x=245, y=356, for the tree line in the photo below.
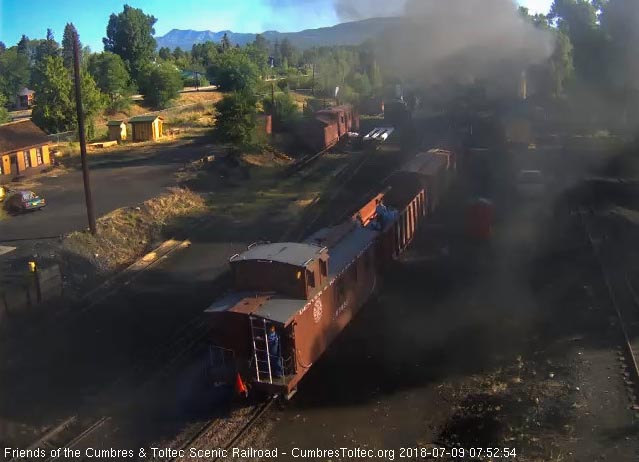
x=595, y=61
x=593, y=54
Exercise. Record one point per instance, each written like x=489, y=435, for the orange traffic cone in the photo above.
x=240, y=388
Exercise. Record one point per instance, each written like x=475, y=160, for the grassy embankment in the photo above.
x=195, y=119
x=252, y=201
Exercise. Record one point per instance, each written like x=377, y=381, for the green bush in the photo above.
x=191, y=81
x=234, y=71
x=237, y=117
x=286, y=110
x=283, y=84
x=161, y=83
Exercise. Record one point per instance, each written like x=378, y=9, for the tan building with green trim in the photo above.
x=24, y=150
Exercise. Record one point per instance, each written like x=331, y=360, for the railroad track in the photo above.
x=305, y=162
x=625, y=302
x=342, y=177
x=68, y=433
x=151, y=368
x=218, y=433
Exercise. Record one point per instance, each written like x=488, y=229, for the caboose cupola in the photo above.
x=287, y=268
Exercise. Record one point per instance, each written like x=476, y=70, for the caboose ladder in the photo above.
x=262, y=355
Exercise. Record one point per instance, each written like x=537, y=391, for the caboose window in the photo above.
x=323, y=268
x=310, y=277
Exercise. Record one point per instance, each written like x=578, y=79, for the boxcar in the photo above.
x=328, y=126
x=434, y=170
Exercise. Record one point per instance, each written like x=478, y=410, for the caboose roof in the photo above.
x=283, y=310
x=426, y=163
x=291, y=253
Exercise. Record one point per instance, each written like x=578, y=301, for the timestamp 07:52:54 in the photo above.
x=458, y=453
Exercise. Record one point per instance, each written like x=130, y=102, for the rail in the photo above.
x=305, y=162
x=189, y=338
x=214, y=427
x=615, y=299
x=260, y=411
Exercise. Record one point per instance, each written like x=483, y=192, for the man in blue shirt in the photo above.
x=275, y=352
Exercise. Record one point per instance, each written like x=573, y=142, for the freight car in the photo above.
x=327, y=127
x=434, y=170
x=292, y=299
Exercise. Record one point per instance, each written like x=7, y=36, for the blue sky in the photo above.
x=32, y=17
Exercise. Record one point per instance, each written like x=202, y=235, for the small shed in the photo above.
x=146, y=128
x=117, y=130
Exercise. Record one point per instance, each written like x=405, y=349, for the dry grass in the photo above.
x=126, y=233
x=199, y=97
x=528, y=404
x=268, y=158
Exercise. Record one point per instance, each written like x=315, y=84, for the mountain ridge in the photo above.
x=348, y=33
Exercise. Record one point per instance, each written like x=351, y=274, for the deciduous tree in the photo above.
x=161, y=83
x=165, y=53
x=14, y=72
x=111, y=77
x=234, y=71
x=130, y=35
x=53, y=109
x=4, y=114
x=237, y=117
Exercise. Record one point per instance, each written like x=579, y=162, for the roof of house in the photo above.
x=291, y=253
x=115, y=123
x=25, y=92
x=147, y=118
x=22, y=134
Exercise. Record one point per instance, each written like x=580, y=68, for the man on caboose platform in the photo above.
x=275, y=352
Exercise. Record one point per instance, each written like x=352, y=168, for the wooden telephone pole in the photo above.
x=81, y=134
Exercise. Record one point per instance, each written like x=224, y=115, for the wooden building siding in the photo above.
x=24, y=162
x=117, y=132
x=147, y=131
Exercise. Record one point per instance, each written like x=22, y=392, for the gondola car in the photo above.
x=305, y=293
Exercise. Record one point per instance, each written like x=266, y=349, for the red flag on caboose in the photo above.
x=240, y=388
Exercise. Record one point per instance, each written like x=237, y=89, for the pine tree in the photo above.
x=67, y=46
x=226, y=43
x=24, y=46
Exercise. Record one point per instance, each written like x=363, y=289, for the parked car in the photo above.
x=531, y=183
x=23, y=201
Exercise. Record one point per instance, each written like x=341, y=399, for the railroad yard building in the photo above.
x=24, y=150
